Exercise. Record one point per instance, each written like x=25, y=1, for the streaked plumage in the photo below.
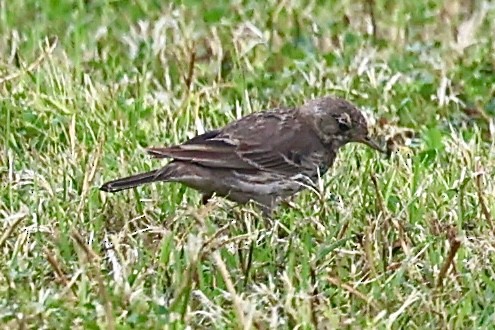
x=265, y=156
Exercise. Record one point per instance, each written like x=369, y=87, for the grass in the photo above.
x=385, y=243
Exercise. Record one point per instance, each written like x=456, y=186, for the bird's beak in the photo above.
x=371, y=143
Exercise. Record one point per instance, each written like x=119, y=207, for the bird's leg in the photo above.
x=247, y=260
x=267, y=205
x=266, y=212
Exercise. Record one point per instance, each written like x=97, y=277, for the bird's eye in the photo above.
x=344, y=122
x=344, y=126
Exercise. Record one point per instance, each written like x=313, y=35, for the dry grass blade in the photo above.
x=94, y=259
x=398, y=226
x=368, y=251
x=455, y=244
x=466, y=32
x=91, y=255
x=337, y=282
x=238, y=303
x=370, y=5
x=73, y=281
x=207, y=243
x=184, y=289
x=221, y=244
x=481, y=199
x=411, y=299
x=51, y=44
x=380, y=210
x=199, y=216
x=343, y=230
x=56, y=268
x=190, y=73
x=89, y=176
x=314, y=299
x=11, y=228
x=379, y=200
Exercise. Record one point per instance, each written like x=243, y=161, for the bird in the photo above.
x=264, y=157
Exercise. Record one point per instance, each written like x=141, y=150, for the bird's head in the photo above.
x=338, y=122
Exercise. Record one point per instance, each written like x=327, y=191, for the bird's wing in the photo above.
x=207, y=149
x=271, y=141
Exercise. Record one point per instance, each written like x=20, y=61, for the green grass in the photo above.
x=349, y=256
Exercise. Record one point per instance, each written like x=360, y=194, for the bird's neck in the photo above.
x=335, y=142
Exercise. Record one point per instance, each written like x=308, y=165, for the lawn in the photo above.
x=405, y=241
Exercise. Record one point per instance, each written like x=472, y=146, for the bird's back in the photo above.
x=262, y=156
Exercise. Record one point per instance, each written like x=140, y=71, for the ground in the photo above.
x=405, y=241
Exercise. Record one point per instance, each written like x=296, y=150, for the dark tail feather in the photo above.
x=136, y=180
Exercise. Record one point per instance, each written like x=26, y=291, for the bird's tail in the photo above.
x=164, y=174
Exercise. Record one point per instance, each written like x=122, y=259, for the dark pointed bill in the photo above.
x=372, y=144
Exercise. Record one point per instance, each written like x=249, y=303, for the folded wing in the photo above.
x=268, y=141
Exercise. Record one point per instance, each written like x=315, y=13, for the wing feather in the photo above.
x=266, y=141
